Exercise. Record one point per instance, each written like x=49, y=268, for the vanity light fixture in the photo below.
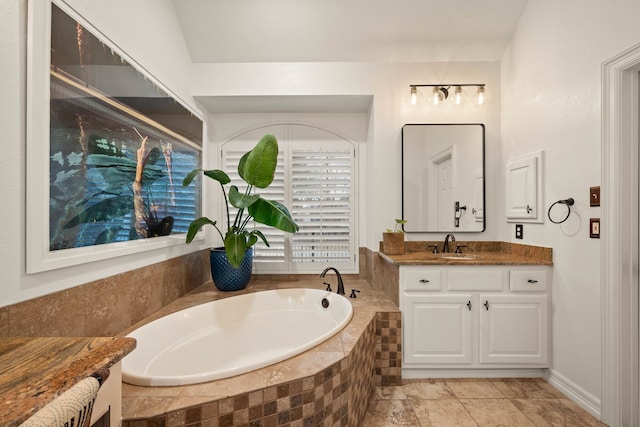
x=440, y=93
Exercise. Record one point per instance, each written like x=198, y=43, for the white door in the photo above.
x=513, y=329
x=445, y=195
x=438, y=329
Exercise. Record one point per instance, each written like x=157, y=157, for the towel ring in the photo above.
x=568, y=203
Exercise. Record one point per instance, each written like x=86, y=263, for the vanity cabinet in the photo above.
x=474, y=317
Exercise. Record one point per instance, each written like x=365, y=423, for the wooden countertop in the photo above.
x=33, y=370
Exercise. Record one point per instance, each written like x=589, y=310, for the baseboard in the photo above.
x=586, y=400
x=472, y=373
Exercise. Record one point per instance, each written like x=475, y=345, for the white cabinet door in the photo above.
x=438, y=329
x=514, y=329
x=524, y=192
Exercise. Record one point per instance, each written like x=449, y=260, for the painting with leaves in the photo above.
x=119, y=146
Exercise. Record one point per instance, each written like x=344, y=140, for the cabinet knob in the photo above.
x=424, y=281
x=469, y=305
x=529, y=209
x=486, y=305
x=532, y=281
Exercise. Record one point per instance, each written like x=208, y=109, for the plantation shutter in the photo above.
x=315, y=180
x=321, y=192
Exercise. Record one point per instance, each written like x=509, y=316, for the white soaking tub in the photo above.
x=232, y=336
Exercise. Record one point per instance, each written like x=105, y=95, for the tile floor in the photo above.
x=474, y=402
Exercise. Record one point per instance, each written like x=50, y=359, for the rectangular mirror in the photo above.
x=443, y=178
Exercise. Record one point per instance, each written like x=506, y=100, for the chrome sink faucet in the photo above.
x=449, y=238
x=340, y=290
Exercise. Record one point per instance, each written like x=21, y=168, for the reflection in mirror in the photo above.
x=443, y=177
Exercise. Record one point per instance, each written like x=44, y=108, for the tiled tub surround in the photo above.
x=107, y=306
x=328, y=385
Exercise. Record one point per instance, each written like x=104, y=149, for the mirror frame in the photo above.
x=484, y=180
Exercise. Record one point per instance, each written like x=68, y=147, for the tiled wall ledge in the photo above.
x=329, y=385
x=108, y=306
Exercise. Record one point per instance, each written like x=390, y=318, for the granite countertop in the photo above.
x=35, y=370
x=475, y=253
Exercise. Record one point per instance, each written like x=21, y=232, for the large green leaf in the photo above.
x=258, y=166
x=240, y=200
x=215, y=174
x=275, y=214
x=252, y=239
x=218, y=175
x=235, y=246
x=196, y=225
x=258, y=233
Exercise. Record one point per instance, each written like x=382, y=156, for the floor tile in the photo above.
x=390, y=392
x=555, y=412
x=474, y=389
x=495, y=413
x=390, y=413
x=473, y=402
x=427, y=389
x=526, y=388
x=442, y=413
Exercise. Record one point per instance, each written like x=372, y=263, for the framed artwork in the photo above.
x=107, y=148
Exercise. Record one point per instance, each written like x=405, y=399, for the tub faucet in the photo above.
x=445, y=246
x=340, y=290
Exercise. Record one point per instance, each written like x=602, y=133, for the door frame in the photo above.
x=619, y=250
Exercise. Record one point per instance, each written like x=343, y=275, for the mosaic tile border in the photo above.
x=388, y=355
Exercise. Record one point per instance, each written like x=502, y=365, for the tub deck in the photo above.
x=331, y=381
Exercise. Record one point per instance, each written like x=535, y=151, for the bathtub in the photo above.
x=232, y=336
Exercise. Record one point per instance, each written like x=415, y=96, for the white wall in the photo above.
x=149, y=32
x=551, y=101
x=380, y=160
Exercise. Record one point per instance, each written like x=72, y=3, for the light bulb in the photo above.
x=415, y=97
x=459, y=96
x=481, y=96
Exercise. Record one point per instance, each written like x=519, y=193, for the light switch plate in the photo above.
x=594, y=228
x=594, y=196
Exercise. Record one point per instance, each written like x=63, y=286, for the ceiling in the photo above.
x=218, y=31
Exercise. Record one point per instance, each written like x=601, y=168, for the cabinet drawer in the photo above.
x=472, y=279
x=528, y=280
x=422, y=280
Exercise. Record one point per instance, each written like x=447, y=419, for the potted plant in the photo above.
x=393, y=240
x=257, y=168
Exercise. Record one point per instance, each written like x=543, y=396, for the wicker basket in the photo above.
x=393, y=243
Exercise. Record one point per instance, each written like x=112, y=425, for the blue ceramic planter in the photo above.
x=227, y=278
